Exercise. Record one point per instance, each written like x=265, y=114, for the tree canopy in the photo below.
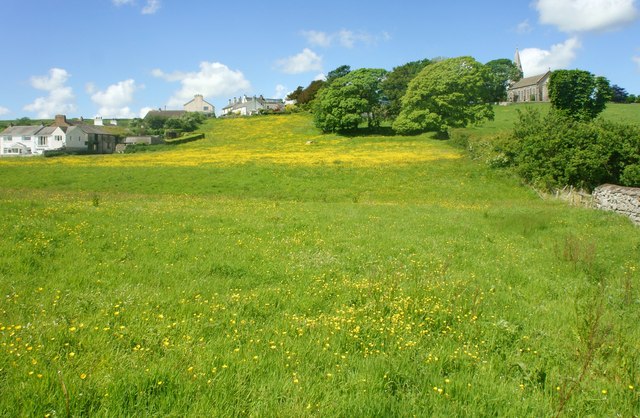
x=341, y=71
x=578, y=93
x=303, y=96
x=394, y=86
x=502, y=72
x=619, y=94
x=349, y=100
x=446, y=94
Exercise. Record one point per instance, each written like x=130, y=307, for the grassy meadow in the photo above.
x=269, y=270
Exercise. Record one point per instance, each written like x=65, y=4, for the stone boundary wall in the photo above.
x=624, y=200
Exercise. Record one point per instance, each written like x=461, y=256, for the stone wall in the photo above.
x=624, y=200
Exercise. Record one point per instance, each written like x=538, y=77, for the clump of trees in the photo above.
x=448, y=94
x=420, y=96
x=349, y=100
x=395, y=84
x=159, y=125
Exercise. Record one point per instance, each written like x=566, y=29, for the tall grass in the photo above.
x=362, y=276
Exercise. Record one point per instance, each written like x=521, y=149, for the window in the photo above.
x=6, y=138
x=26, y=138
x=58, y=137
x=206, y=107
x=42, y=141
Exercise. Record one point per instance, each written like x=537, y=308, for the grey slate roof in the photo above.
x=165, y=113
x=21, y=130
x=47, y=131
x=92, y=129
x=529, y=81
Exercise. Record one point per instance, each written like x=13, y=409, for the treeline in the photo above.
x=568, y=146
x=425, y=95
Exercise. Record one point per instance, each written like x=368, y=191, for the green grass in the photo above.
x=329, y=284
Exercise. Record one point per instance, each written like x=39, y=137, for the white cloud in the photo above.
x=114, y=101
x=524, y=27
x=151, y=7
x=348, y=39
x=586, y=15
x=4, y=110
x=636, y=59
x=344, y=37
x=281, y=92
x=60, y=99
x=90, y=88
x=559, y=56
x=321, y=76
x=212, y=80
x=305, y=61
x=316, y=38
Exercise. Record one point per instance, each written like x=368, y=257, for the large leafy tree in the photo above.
x=579, y=94
x=447, y=94
x=394, y=86
x=349, y=100
x=502, y=71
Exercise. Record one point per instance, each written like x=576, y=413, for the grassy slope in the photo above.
x=252, y=274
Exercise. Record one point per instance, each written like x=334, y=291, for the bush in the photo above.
x=631, y=176
x=556, y=150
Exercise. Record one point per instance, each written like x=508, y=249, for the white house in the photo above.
x=246, y=106
x=198, y=104
x=19, y=140
x=61, y=135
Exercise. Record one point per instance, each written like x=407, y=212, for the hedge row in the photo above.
x=185, y=139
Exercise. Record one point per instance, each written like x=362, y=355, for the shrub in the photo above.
x=557, y=150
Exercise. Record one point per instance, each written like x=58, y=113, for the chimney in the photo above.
x=61, y=120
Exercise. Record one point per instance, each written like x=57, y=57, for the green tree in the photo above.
x=395, y=84
x=447, y=94
x=295, y=95
x=619, y=94
x=309, y=93
x=350, y=100
x=341, y=71
x=502, y=72
x=579, y=94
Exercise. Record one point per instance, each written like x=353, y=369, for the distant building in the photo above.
x=529, y=89
x=198, y=104
x=60, y=135
x=246, y=106
x=148, y=140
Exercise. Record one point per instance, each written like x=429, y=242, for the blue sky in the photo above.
x=119, y=58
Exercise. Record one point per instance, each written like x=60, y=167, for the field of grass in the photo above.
x=254, y=274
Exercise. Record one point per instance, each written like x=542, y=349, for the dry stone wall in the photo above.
x=624, y=200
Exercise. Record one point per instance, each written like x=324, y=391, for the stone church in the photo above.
x=529, y=89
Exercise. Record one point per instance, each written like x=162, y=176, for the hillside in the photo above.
x=269, y=270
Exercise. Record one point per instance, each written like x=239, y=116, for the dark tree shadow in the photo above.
x=363, y=132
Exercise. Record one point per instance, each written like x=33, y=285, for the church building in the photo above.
x=529, y=89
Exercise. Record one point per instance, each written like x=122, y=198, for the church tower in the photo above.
x=516, y=60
